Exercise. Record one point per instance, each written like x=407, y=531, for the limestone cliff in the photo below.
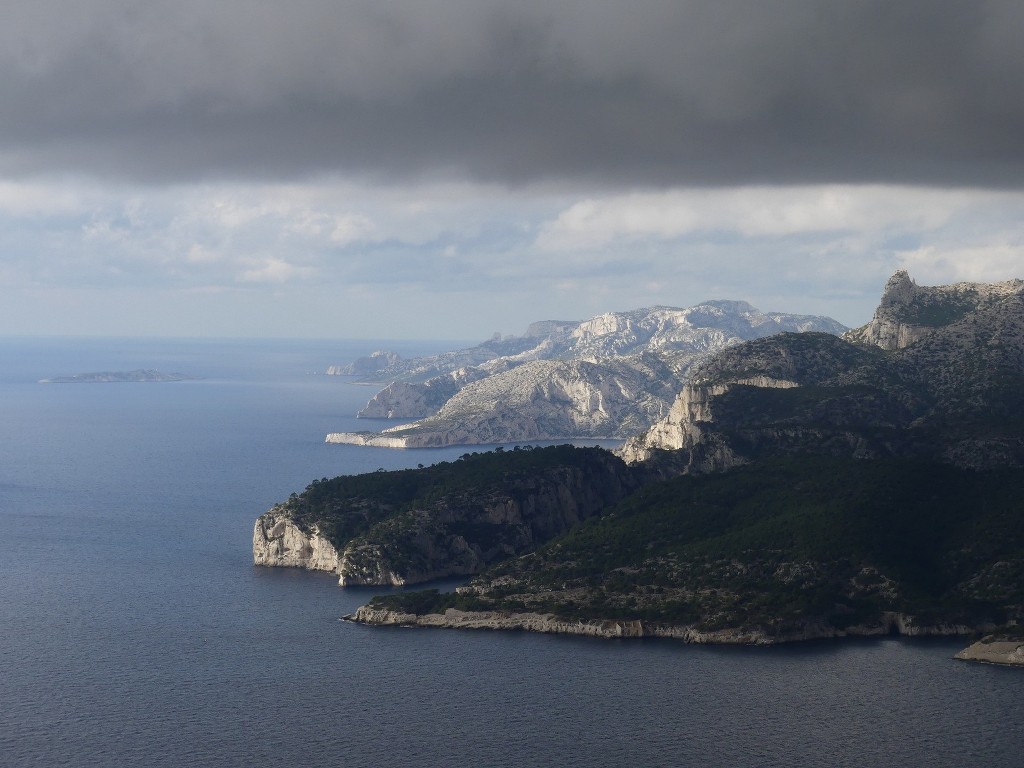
x=414, y=400
x=277, y=541
x=681, y=429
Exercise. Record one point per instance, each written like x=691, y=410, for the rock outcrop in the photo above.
x=908, y=312
x=278, y=541
x=681, y=429
x=994, y=651
x=368, y=366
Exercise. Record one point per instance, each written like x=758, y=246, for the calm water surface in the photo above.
x=134, y=629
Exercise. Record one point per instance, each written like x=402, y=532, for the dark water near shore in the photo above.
x=134, y=629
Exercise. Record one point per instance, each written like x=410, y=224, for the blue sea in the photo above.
x=135, y=631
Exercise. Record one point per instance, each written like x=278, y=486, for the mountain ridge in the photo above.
x=606, y=377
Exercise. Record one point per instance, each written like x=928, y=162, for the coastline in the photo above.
x=452, y=618
x=1005, y=653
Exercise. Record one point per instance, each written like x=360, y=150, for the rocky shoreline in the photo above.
x=1008, y=653
x=452, y=618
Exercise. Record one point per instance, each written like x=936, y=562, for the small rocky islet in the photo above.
x=142, y=375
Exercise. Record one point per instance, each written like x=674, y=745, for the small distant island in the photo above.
x=117, y=377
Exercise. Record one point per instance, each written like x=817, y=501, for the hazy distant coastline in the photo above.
x=116, y=377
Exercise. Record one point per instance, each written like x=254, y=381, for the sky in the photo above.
x=449, y=169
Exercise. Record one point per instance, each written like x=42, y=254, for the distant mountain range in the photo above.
x=608, y=377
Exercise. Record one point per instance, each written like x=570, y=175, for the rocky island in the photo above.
x=802, y=485
x=117, y=377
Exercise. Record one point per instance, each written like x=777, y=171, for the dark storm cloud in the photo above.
x=644, y=93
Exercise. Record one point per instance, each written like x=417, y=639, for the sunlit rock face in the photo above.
x=277, y=541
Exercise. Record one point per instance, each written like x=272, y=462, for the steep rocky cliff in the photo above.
x=278, y=541
x=368, y=366
x=451, y=519
x=938, y=374
x=607, y=377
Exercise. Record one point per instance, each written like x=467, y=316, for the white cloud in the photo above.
x=462, y=254
x=977, y=263
x=351, y=228
x=272, y=270
x=37, y=198
x=761, y=212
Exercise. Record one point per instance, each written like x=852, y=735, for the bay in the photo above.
x=134, y=629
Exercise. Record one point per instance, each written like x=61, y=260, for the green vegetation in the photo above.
x=778, y=545
x=1012, y=633
x=939, y=309
x=455, y=516
x=347, y=506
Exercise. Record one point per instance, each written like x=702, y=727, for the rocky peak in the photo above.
x=899, y=290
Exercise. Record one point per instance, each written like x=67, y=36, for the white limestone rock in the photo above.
x=681, y=428
x=277, y=541
x=908, y=312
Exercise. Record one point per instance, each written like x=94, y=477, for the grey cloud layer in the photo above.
x=645, y=93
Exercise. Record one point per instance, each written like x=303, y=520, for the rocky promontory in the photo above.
x=1005, y=646
x=787, y=550
x=450, y=519
x=889, y=624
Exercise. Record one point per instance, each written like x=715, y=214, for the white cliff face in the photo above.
x=371, y=439
x=544, y=399
x=277, y=541
x=681, y=427
x=888, y=328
